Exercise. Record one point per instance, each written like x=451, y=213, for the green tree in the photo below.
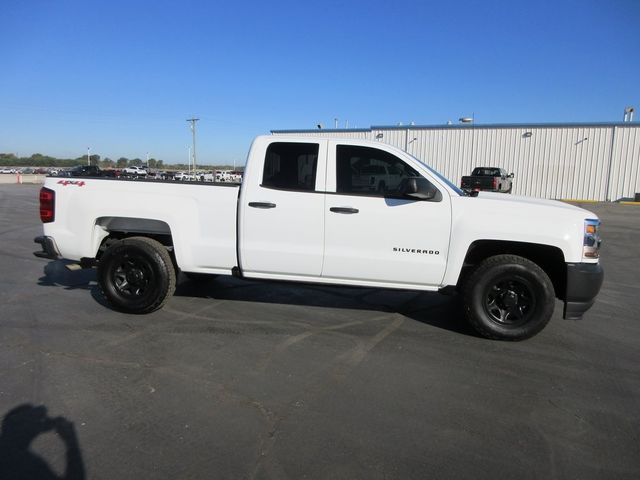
x=152, y=163
x=122, y=162
x=107, y=163
x=136, y=162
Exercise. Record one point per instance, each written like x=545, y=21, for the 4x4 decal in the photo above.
x=64, y=183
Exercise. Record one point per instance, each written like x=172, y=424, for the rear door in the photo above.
x=372, y=234
x=282, y=210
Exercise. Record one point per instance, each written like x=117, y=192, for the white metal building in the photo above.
x=587, y=161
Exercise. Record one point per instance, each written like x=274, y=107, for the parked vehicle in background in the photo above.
x=301, y=215
x=184, y=176
x=134, y=172
x=8, y=170
x=490, y=179
x=82, y=171
x=207, y=176
x=377, y=176
x=228, y=176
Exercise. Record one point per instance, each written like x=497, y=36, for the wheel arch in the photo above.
x=548, y=257
x=113, y=228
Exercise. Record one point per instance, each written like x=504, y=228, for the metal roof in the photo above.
x=463, y=126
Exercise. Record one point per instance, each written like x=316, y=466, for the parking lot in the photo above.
x=240, y=379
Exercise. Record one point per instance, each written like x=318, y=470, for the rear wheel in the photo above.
x=508, y=297
x=137, y=275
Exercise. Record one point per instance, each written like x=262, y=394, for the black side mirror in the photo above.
x=511, y=175
x=419, y=188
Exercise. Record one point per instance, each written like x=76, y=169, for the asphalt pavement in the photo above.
x=240, y=379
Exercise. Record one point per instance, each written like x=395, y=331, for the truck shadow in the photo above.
x=432, y=309
x=56, y=274
x=441, y=311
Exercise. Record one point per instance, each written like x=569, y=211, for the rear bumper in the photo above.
x=583, y=284
x=49, y=248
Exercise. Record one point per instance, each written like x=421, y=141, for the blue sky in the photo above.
x=122, y=77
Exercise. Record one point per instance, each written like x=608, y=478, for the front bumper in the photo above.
x=583, y=284
x=49, y=248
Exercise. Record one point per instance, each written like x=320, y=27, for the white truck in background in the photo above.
x=301, y=215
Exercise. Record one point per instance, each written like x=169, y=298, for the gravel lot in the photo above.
x=237, y=379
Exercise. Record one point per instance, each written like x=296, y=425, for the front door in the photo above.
x=374, y=235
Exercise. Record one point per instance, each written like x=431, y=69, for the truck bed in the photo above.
x=201, y=217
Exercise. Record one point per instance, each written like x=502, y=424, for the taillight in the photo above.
x=47, y=205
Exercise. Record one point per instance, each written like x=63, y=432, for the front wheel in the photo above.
x=137, y=275
x=508, y=297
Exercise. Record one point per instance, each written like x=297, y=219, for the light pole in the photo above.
x=88, y=155
x=193, y=132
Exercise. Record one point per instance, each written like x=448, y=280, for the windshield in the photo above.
x=485, y=172
x=441, y=177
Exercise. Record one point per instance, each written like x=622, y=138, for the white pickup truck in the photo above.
x=300, y=215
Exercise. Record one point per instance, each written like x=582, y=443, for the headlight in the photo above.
x=591, y=245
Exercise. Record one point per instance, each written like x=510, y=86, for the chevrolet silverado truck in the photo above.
x=301, y=215
x=490, y=179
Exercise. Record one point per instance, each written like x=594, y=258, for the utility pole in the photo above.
x=88, y=155
x=193, y=132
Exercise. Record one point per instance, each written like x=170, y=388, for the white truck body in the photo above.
x=319, y=235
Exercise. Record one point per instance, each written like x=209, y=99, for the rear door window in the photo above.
x=291, y=166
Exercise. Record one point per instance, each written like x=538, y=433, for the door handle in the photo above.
x=347, y=210
x=262, y=205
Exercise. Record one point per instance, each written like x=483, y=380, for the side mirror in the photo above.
x=419, y=188
x=511, y=175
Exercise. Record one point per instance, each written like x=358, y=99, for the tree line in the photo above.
x=39, y=160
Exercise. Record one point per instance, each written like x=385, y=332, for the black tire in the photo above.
x=508, y=297
x=510, y=188
x=137, y=275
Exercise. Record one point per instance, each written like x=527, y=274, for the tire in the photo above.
x=137, y=275
x=508, y=297
x=510, y=188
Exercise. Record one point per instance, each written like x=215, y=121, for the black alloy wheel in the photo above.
x=508, y=297
x=510, y=301
x=137, y=275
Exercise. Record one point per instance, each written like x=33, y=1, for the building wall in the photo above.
x=573, y=161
